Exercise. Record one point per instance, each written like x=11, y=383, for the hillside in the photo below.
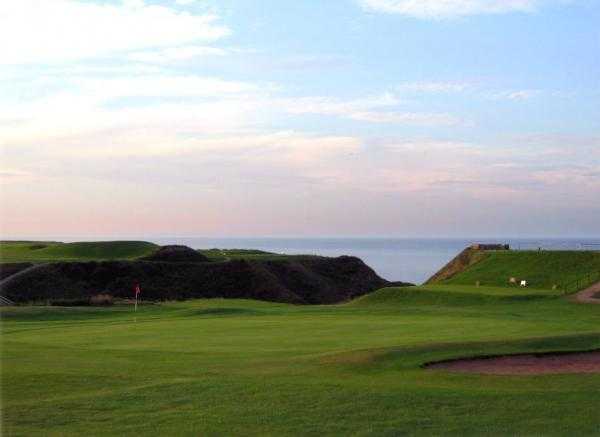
x=302, y=280
x=541, y=269
x=72, y=273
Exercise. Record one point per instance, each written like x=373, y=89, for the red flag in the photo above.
x=137, y=290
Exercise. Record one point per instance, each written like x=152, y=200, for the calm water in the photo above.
x=412, y=260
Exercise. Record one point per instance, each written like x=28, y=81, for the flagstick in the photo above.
x=137, y=292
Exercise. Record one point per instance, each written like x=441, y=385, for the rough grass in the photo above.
x=542, y=270
x=234, y=367
x=86, y=251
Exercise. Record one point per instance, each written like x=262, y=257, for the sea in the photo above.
x=395, y=259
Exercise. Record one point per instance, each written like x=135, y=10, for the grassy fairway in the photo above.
x=542, y=270
x=46, y=251
x=30, y=251
x=248, y=254
x=232, y=367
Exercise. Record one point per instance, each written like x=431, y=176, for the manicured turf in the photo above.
x=231, y=367
x=53, y=251
x=542, y=270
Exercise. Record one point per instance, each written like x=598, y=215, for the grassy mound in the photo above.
x=39, y=251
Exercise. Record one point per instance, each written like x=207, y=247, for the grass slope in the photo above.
x=234, y=367
x=87, y=251
x=542, y=270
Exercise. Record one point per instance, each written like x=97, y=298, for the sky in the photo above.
x=405, y=118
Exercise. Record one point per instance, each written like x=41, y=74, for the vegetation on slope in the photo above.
x=80, y=273
x=41, y=251
x=458, y=264
x=541, y=269
x=236, y=367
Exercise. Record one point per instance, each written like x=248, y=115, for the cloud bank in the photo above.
x=447, y=9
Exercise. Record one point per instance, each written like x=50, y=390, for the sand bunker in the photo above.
x=589, y=295
x=526, y=364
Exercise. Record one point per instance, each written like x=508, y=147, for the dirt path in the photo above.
x=587, y=295
x=4, y=301
x=20, y=273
